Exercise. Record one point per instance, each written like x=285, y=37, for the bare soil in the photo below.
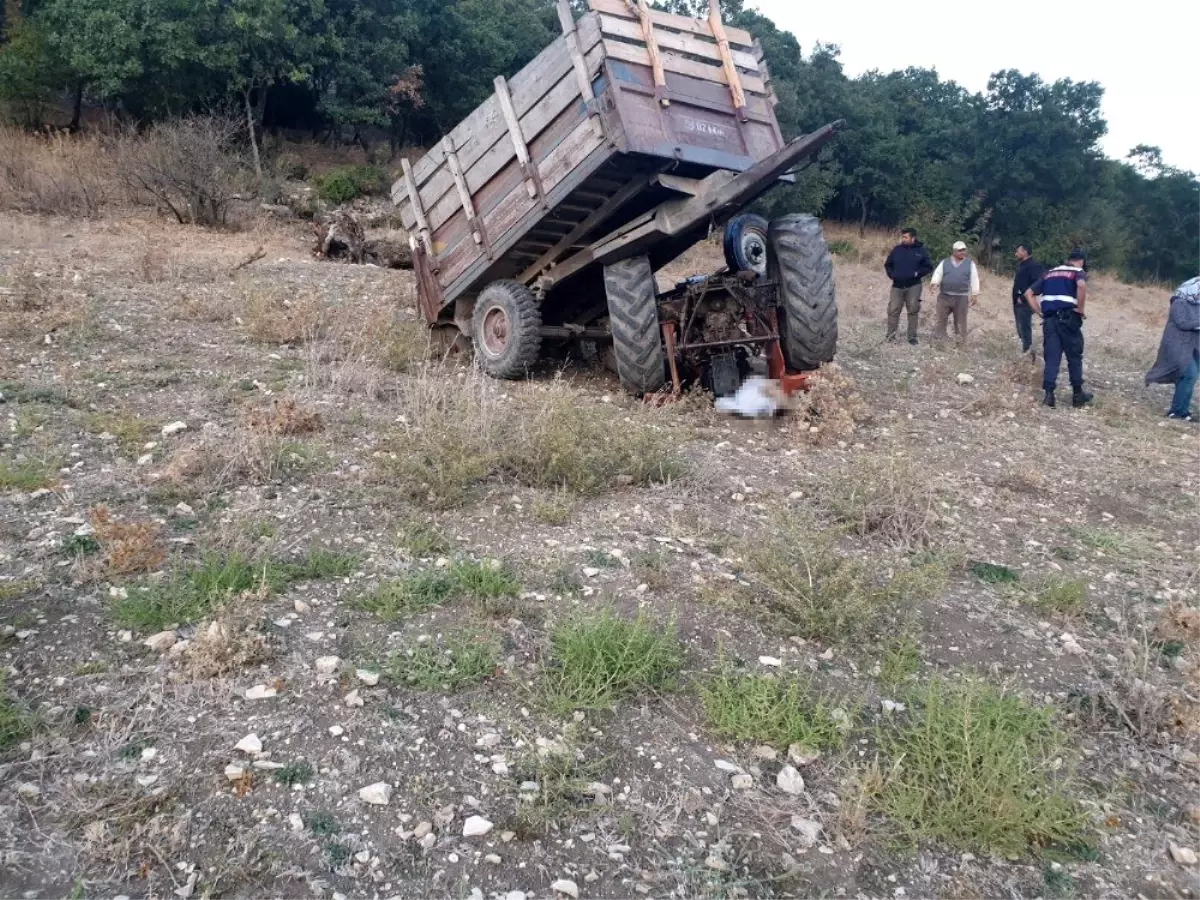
x=126, y=326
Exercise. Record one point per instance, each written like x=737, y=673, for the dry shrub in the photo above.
x=229, y=643
x=192, y=168
x=1179, y=623
x=119, y=830
x=129, y=547
x=1024, y=371
x=34, y=303
x=831, y=409
x=55, y=173
x=403, y=346
x=277, y=317
x=888, y=498
x=212, y=461
x=284, y=417
x=205, y=307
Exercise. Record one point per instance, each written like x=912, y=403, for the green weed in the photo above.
x=554, y=509
x=901, y=661
x=316, y=565
x=768, y=710
x=80, y=545
x=346, y=183
x=293, y=773
x=600, y=658
x=484, y=579
x=422, y=540
x=993, y=573
x=193, y=593
x=321, y=823
x=458, y=661
x=1060, y=595
x=15, y=725
x=27, y=474
x=978, y=769
x=408, y=595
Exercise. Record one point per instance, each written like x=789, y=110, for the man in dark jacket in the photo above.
x=1029, y=270
x=1178, y=360
x=906, y=265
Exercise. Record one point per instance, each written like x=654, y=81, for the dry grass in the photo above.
x=277, y=317
x=129, y=547
x=831, y=409
x=229, y=643
x=55, y=174
x=284, y=417
x=36, y=302
x=889, y=497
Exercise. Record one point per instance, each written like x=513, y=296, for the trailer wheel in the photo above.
x=746, y=244
x=506, y=329
x=633, y=317
x=800, y=265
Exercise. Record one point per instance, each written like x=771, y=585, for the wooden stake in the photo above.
x=414, y=197
x=660, y=80
x=567, y=21
x=533, y=182
x=464, y=194
x=731, y=72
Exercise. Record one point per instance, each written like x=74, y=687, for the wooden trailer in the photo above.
x=623, y=139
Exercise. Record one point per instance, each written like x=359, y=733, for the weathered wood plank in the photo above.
x=692, y=45
x=414, y=198
x=651, y=45
x=731, y=72
x=674, y=62
x=668, y=20
x=464, y=196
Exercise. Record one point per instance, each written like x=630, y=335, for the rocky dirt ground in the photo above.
x=286, y=611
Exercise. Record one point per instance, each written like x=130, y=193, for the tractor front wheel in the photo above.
x=506, y=329
x=802, y=269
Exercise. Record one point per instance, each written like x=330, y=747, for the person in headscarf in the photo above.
x=1178, y=360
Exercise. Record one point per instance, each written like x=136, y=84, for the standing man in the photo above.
x=906, y=265
x=1059, y=297
x=956, y=279
x=1178, y=360
x=1029, y=270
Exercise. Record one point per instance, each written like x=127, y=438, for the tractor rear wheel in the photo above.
x=506, y=329
x=802, y=269
x=633, y=318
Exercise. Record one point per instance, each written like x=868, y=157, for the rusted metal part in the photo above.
x=668, y=330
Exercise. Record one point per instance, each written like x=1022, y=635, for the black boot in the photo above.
x=1048, y=400
x=1080, y=398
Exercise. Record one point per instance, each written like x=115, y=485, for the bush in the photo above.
x=348, y=183
x=978, y=769
x=192, y=168
x=601, y=658
x=55, y=174
x=775, y=711
x=458, y=661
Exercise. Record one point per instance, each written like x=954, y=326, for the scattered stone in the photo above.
x=327, y=665
x=377, y=794
x=234, y=772
x=261, y=692
x=27, y=790
x=145, y=459
x=742, y=781
x=296, y=822
x=336, y=730
x=765, y=752
x=507, y=836
x=173, y=428
x=161, y=642
x=515, y=895
x=423, y=829
x=964, y=378
x=493, y=859
x=301, y=607
x=476, y=826
x=808, y=830
x=250, y=745
x=566, y=886
x=773, y=661
x=428, y=842
x=590, y=571
x=790, y=780
x=488, y=741
x=363, y=856
x=352, y=699
x=800, y=755
x=183, y=509
x=1185, y=856
x=1193, y=813
x=147, y=780
x=370, y=679
x=717, y=864
x=726, y=766
x=891, y=706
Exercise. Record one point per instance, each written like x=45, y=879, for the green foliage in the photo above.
x=293, y=773
x=600, y=658
x=1061, y=595
x=994, y=573
x=14, y=723
x=769, y=710
x=978, y=769
x=408, y=595
x=457, y=661
x=348, y=183
x=26, y=474
x=321, y=823
x=484, y=579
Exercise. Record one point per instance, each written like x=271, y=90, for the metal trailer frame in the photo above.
x=633, y=133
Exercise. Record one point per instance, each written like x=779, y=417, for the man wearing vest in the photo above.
x=956, y=280
x=1059, y=297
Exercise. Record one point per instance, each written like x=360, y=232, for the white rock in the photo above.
x=301, y=607
x=352, y=699
x=27, y=790
x=250, y=745
x=337, y=730
x=566, y=886
x=296, y=822
x=808, y=829
x=423, y=829
x=183, y=509
x=590, y=571
x=770, y=661
x=475, y=826
x=801, y=755
x=428, y=842
x=726, y=766
x=173, y=428
x=327, y=665
x=363, y=856
x=964, y=378
x=891, y=706
x=493, y=858
x=500, y=768
x=377, y=794
x=1185, y=856
x=161, y=642
x=742, y=781
x=515, y=895
x=260, y=692
x=488, y=741
x=370, y=679
x=145, y=459
x=790, y=781
x=765, y=752
x=147, y=780
x=234, y=772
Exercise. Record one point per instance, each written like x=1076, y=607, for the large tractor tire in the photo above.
x=800, y=265
x=506, y=329
x=633, y=318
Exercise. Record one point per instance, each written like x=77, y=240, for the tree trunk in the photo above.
x=76, y=108
x=864, y=205
x=253, y=137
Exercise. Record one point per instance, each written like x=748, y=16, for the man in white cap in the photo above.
x=956, y=281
